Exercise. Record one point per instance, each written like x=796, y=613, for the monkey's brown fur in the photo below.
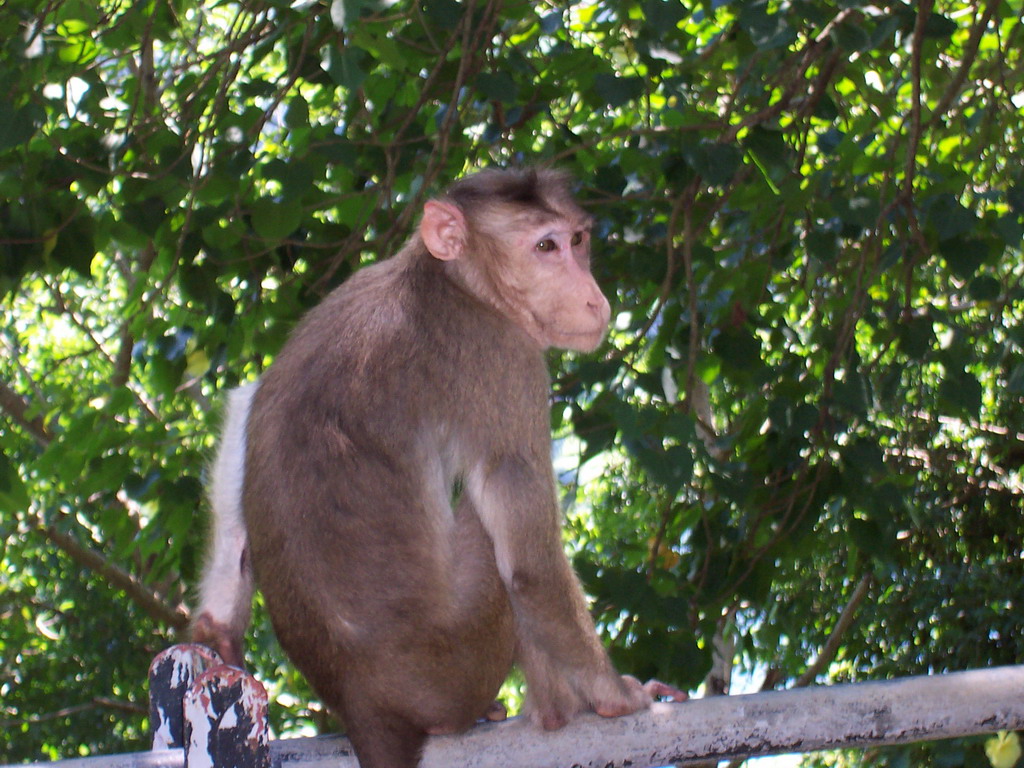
x=399, y=497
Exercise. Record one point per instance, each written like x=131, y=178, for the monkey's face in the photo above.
x=530, y=261
x=552, y=266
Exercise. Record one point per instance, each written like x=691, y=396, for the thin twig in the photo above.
x=835, y=639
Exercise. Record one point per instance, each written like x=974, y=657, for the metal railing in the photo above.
x=207, y=715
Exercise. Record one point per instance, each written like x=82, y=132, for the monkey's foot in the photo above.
x=211, y=633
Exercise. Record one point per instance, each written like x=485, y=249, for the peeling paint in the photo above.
x=170, y=675
x=226, y=719
x=162, y=737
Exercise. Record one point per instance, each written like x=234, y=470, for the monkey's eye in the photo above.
x=577, y=238
x=547, y=245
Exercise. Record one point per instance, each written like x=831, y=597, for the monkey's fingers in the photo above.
x=657, y=689
x=496, y=712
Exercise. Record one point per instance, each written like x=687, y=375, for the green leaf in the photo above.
x=76, y=245
x=663, y=16
x=669, y=467
x=72, y=27
x=145, y=214
x=444, y=13
x=17, y=126
x=985, y=288
x=868, y=537
x=859, y=211
x=864, y=457
x=757, y=587
x=916, y=336
x=939, y=26
x=823, y=246
x=716, y=163
x=296, y=177
x=617, y=91
x=1015, y=197
x=297, y=114
x=81, y=15
x=1015, y=381
x=964, y=255
x=345, y=66
x=853, y=393
x=961, y=392
x=950, y=219
x=78, y=50
x=739, y=349
x=766, y=30
x=1010, y=229
x=770, y=154
x=497, y=86
x=610, y=179
x=137, y=487
x=851, y=37
x=275, y=219
x=893, y=254
x=224, y=234
x=708, y=367
x=14, y=496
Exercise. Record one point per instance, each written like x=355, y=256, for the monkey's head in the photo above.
x=517, y=241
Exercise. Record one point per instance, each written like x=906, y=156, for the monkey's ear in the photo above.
x=443, y=229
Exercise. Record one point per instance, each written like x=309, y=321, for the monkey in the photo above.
x=388, y=481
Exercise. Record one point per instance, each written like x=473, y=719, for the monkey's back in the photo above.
x=363, y=393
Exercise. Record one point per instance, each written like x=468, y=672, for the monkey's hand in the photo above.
x=634, y=696
x=608, y=695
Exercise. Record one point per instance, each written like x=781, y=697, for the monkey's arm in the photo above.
x=566, y=667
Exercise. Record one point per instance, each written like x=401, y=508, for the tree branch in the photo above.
x=828, y=653
x=147, y=599
x=17, y=409
x=923, y=12
x=967, y=58
x=100, y=702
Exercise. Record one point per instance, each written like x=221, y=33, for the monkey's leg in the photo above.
x=430, y=664
x=480, y=598
x=382, y=740
x=566, y=668
x=481, y=645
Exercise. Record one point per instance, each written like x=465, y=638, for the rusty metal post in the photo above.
x=171, y=673
x=226, y=721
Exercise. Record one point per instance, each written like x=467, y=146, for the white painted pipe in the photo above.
x=723, y=727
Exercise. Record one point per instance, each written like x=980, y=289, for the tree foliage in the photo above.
x=798, y=456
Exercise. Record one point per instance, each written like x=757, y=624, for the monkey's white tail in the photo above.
x=226, y=587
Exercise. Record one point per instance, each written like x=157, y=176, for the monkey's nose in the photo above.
x=600, y=307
